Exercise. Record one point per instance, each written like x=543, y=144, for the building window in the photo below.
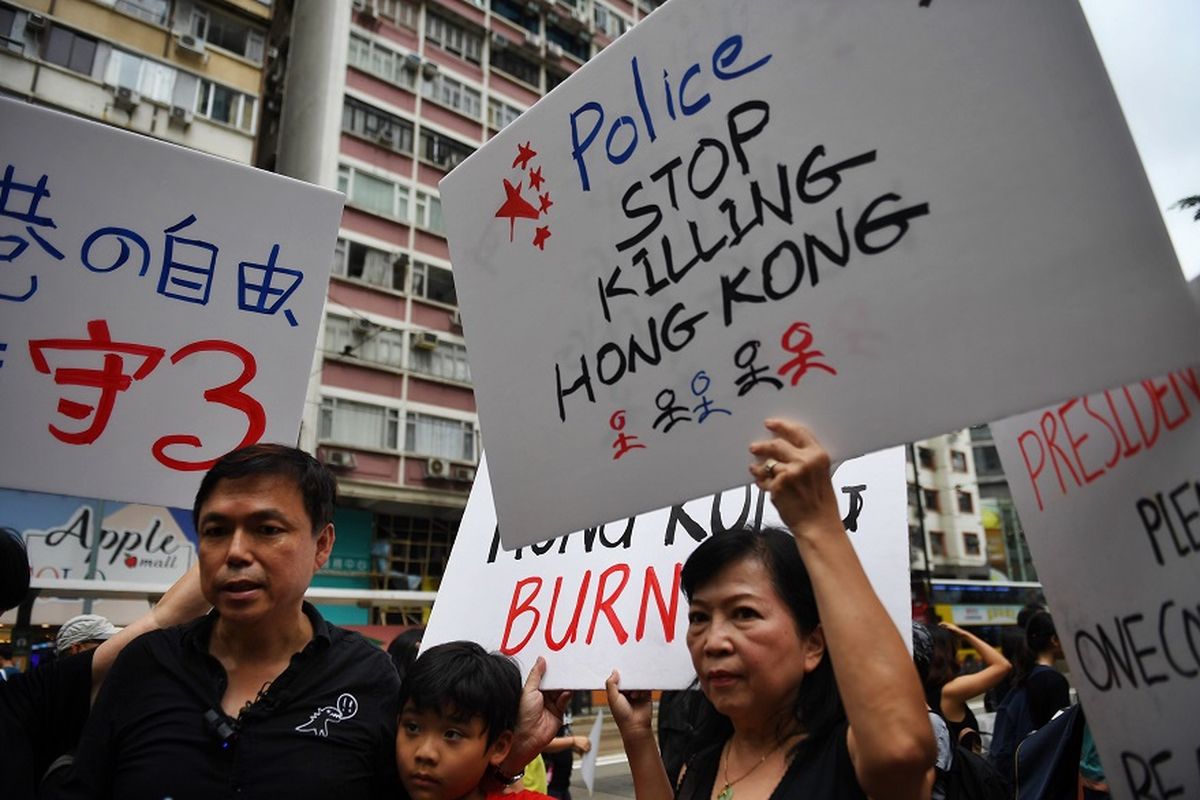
x=520, y=13
x=377, y=267
x=987, y=461
x=433, y=283
x=930, y=498
x=505, y=60
x=971, y=544
x=364, y=340
x=401, y=12
x=379, y=126
x=568, y=42
x=148, y=78
x=383, y=62
x=153, y=11
x=68, y=49
x=443, y=89
x=428, y=435
x=428, y=210
x=925, y=457
x=958, y=461
x=966, y=502
x=453, y=38
x=554, y=78
x=608, y=21
x=447, y=153
x=363, y=424
x=501, y=114
x=448, y=360
x=937, y=543
x=222, y=104
x=228, y=33
x=377, y=195
x=912, y=495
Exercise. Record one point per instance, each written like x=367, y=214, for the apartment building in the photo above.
x=381, y=99
x=946, y=532
x=184, y=71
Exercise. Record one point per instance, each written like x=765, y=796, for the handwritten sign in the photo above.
x=888, y=219
x=609, y=596
x=1108, y=489
x=158, y=307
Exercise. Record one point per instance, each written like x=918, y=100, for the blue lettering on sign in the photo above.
x=587, y=121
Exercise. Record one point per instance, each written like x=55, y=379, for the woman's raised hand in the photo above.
x=795, y=469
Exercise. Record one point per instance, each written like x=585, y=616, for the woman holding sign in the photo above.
x=811, y=690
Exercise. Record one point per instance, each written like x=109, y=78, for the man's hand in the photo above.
x=539, y=717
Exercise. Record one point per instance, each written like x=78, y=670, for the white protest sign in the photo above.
x=771, y=208
x=588, y=762
x=608, y=597
x=1108, y=490
x=158, y=307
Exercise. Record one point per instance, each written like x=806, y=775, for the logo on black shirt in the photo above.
x=318, y=723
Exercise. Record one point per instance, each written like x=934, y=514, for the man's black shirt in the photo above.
x=42, y=713
x=326, y=727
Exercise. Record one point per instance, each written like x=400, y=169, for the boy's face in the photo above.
x=443, y=756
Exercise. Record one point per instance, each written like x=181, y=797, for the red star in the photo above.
x=524, y=154
x=535, y=179
x=515, y=206
x=545, y=203
x=540, y=237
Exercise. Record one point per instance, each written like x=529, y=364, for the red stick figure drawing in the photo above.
x=623, y=443
x=797, y=339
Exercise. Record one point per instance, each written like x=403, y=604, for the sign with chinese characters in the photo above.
x=1108, y=490
x=158, y=307
x=609, y=596
x=887, y=219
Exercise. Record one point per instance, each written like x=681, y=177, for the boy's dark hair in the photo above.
x=317, y=485
x=818, y=708
x=463, y=679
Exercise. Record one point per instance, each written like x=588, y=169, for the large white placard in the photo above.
x=607, y=597
x=886, y=218
x=158, y=307
x=1108, y=490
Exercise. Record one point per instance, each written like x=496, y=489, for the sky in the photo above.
x=1151, y=49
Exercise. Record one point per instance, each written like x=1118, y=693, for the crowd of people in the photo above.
x=234, y=686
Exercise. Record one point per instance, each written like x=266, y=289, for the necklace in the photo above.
x=727, y=792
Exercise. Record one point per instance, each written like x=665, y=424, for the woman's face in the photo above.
x=748, y=654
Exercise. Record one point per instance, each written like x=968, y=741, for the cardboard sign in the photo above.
x=1108, y=490
x=886, y=219
x=608, y=597
x=158, y=307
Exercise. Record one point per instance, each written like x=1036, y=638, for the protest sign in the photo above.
x=1108, y=491
x=608, y=597
x=158, y=307
x=743, y=209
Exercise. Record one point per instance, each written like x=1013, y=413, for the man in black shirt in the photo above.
x=261, y=698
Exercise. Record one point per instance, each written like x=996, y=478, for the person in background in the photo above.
x=7, y=667
x=559, y=756
x=947, y=689
x=1013, y=647
x=922, y=646
x=403, y=649
x=811, y=690
x=1045, y=687
x=82, y=633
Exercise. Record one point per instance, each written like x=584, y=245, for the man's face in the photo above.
x=257, y=548
x=443, y=756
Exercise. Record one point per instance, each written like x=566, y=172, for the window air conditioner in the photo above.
x=126, y=98
x=533, y=40
x=190, y=44
x=181, y=115
x=464, y=474
x=429, y=69
x=425, y=340
x=412, y=61
x=340, y=459
x=456, y=318
x=436, y=468
x=35, y=22
x=554, y=50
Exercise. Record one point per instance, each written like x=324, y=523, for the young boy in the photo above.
x=458, y=709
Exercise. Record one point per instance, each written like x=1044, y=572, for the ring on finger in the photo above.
x=769, y=467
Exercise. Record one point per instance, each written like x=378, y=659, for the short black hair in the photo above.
x=818, y=708
x=463, y=679
x=403, y=649
x=14, y=569
x=1039, y=631
x=6, y=652
x=317, y=485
